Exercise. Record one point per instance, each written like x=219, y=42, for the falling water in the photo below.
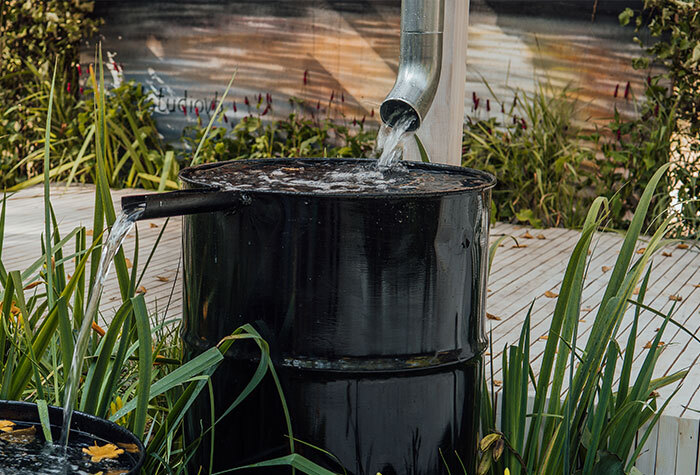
x=391, y=142
x=121, y=227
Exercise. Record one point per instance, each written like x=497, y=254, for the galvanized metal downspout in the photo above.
x=420, y=61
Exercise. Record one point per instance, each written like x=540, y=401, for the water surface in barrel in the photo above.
x=24, y=450
x=335, y=177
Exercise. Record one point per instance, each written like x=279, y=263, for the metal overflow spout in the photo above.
x=420, y=61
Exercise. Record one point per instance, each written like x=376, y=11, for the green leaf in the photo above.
x=421, y=149
x=293, y=460
x=626, y=16
x=145, y=361
x=608, y=464
x=44, y=419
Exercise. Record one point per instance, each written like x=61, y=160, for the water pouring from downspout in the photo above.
x=420, y=61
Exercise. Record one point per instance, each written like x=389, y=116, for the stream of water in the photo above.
x=391, y=142
x=122, y=225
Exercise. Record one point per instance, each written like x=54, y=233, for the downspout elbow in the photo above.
x=420, y=62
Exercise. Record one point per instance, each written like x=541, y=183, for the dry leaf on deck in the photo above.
x=589, y=252
x=697, y=286
x=544, y=337
x=527, y=235
x=491, y=316
x=129, y=265
x=89, y=232
x=682, y=246
x=497, y=382
x=518, y=246
x=141, y=290
x=582, y=320
x=635, y=291
x=641, y=250
x=649, y=343
x=550, y=295
x=666, y=254
x=654, y=394
x=606, y=268
x=675, y=298
x=541, y=236
x=98, y=329
x=98, y=453
x=163, y=278
x=587, y=309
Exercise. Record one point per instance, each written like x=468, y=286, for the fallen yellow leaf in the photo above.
x=641, y=250
x=141, y=290
x=682, y=246
x=89, y=232
x=131, y=448
x=6, y=426
x=635, y=291
x=128, y=263
x=153, y=225
x=544, y=337
x=497, y=382
x=98, y=453
x=675, y=298
x=163, y=278
x=518, y=246
x=491, y=316
x=550, y=295
x=697, y=286
x=666, y=254
x=527, y=235
x=19, y=436
x=587, y=309
x=606, y=268
x=649, y=343
x=541, y=236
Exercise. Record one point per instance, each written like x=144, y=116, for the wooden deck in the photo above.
x=519, y=276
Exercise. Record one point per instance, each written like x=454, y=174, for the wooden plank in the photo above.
x=687, y=453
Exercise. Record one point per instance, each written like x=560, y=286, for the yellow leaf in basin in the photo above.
x=98, y=453
x=131, y=448
x=6, y=426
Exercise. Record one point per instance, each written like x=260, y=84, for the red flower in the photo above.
x=476, y=103
x=371, y=113
x=81, y=89
x=617, y=89
x=523, y=124
x=332, y=96
x=196, y=111
x=627, y=90
x=80, y=71
x=488, y=105
x=503, y=109
x=68, y=87
x=247, y=102
x=619, y=134
x=648, y=80
x=116, y=68
x=225, y=119
x=184, y=110
x=656, y=110
x=318, y=105
x=306, y=76
x=213, y=104
x=235, y=108
x=342, y=97
x=266, y=110
x=354, y=121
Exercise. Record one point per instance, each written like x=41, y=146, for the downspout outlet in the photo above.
x=420, y=61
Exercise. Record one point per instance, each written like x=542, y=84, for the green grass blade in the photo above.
x=195, y=158
x=421, y=149
x=94, y=382
x=292, y=460
x=143, y=328
x=44, y=419
x=601, y=410
x=47, y=198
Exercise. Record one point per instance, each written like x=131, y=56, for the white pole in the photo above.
x=441, y=131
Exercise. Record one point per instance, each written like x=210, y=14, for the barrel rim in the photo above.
x=489, y=183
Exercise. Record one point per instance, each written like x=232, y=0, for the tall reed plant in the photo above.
x=589, y=405
x=133, y=371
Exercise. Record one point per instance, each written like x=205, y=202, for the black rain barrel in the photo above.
x=372, y=304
